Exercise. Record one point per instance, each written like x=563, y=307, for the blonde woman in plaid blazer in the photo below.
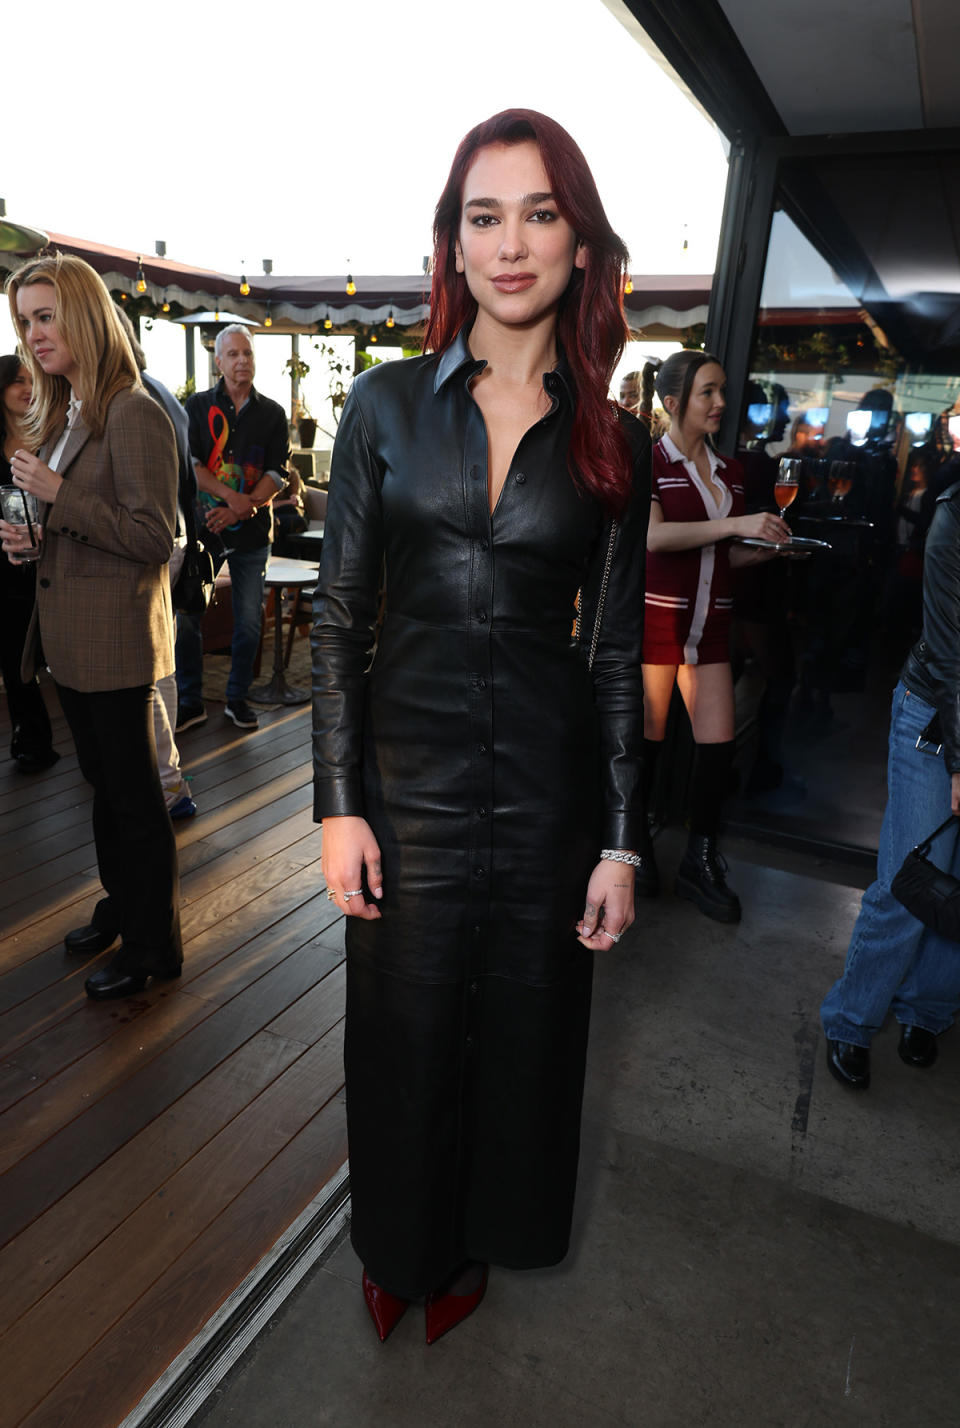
x=107, y=478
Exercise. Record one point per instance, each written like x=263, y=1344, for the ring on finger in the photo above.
x=353, y=892
x=614, y=936
x=331, y=895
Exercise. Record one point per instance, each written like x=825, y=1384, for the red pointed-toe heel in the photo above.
x=386, y=1310
x=446, y=1311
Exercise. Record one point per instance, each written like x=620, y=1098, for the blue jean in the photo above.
x=247, y=571
x=894, y=961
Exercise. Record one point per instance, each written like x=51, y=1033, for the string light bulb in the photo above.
x=268, y=320
x=373, y=337
x=390, y=321
x=327, y=323
x=351, y=285
x=244, y=286
x=141, y=280
x=165, y=306
x=628, y=286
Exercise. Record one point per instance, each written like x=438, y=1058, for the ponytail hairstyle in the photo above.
x=647, y=383
x=676, y=375
x=87, y=322
x=591, y=329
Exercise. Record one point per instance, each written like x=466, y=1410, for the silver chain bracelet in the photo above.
x=617, y=855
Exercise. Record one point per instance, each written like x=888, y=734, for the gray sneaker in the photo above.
x=242, y=715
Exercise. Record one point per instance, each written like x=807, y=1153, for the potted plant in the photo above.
x=306, y=424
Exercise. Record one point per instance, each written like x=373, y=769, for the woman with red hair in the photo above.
x=477, y=777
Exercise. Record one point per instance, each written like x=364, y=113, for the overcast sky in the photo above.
x=320, y=135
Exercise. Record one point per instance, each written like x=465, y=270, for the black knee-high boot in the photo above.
x=647, y=882
x=701, y=877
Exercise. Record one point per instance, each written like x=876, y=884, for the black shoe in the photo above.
x=242, y=715
x=36, y=763
x=849, y=1064
x=918, y=1047
x=189, y=715
x=119, y=979
x=88, y=941
x=701, y=878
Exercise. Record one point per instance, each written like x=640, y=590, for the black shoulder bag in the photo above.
x=193, y=587
x=926, y=891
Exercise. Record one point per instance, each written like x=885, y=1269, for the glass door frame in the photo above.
x=754, y=190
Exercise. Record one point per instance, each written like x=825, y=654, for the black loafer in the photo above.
x=88, y=941
x=849, y=1064
x=918, y=1047
x=118, y=980
x=36, y=763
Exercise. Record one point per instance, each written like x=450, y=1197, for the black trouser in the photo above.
x=32, y=734
x=136, y=850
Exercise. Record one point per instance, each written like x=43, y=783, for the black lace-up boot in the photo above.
x=702, y=878
x=702, y=875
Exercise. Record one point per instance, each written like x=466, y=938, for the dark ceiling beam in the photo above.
x=696, y=38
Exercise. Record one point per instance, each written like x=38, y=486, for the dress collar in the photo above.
x=673, y=453
x=458, y=356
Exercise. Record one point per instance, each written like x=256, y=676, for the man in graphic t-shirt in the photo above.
x=240, y=450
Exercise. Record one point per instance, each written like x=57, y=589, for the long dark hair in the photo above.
x=10, y=365
x=591, y=329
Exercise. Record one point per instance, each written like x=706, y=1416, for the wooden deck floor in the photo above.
x=152, y=1150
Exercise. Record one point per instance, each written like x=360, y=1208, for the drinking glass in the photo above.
x=787, y=483
x=840, y=480
x=20, y=508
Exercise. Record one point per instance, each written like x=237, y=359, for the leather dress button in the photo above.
x=481, y=813
x=474, y=988
x=481, y=683
x=45, y=583
x=481, y=748
x=484, y=544
x=479, y=873
x=520, y=478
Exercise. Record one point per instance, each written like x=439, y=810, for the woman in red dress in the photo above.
x=697, y=508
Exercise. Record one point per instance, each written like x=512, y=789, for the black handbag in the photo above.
x=193, y=587
x=926, y=891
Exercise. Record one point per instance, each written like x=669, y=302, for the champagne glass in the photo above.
x=841, y=479
x=787, y=483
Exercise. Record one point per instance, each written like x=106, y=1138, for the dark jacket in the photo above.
x=932, y=670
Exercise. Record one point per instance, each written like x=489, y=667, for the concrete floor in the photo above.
x=754, y=1245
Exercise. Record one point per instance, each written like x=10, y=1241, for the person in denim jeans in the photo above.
x=894, y=962
x=240, y=450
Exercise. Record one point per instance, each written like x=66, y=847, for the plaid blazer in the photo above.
x=103, y=611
